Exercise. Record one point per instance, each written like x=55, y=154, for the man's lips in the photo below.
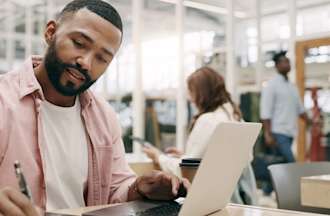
x=76, y=74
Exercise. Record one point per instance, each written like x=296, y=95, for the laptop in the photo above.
x=228, y=152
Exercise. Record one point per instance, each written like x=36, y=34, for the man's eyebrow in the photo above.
x=86, y=37
x=108, y=52
x=89, y=39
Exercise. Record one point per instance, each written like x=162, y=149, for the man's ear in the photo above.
x=50, y=31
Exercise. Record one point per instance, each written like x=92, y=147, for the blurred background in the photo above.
x=166, y=40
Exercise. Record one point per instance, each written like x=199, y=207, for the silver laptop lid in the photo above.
x=229, y=151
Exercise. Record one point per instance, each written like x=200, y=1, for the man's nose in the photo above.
x=85, y=62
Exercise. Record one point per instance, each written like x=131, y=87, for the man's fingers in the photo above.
x=172, y=181
x=175, y=185
x=22, y=202
x=161, y=178
x=162, y=186
x=152, y=177
x=166, y=179
x=186, y=183
x=7, y=207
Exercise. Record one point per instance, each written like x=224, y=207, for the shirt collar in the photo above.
x=29, y=84
x=86, y=98
x=281, y=77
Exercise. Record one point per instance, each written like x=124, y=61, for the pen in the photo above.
x=21, y=180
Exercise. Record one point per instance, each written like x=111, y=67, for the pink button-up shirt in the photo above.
x=109, y=175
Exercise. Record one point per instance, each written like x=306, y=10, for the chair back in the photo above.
x=286, y=183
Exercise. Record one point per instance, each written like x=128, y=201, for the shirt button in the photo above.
x=38, y=105
x=38, y=102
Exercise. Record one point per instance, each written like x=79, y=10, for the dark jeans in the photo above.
x=282, y=149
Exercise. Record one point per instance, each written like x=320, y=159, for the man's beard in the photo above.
x=55, y=68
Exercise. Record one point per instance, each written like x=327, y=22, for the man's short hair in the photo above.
x=99, y=7
x=278, y=56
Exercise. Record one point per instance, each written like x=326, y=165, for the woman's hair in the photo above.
x=208, y=92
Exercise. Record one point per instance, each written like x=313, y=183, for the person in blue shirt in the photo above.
x=280, y=107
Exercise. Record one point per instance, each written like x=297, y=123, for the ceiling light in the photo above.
x=207, y=7
x=212, y=8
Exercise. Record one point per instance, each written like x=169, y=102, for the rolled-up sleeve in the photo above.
x=267, y=102
x=122, y=175
x=301, y=108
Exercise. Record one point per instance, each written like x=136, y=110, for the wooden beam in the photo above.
x=300, y=80
x=307, y=44
x=301, y=49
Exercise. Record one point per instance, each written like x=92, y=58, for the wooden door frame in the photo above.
x=301, y=48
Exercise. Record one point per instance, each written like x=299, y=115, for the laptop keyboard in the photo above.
x=170, y=209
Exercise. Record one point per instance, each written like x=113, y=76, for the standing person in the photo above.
x=208, y=93
x=316, y=150
x=280, y=107
x=67, y=139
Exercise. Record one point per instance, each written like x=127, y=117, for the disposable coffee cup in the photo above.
x=189, y=167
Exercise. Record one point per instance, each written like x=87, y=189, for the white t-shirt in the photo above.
x=65, y=155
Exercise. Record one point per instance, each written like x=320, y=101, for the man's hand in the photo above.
x=269, y=139
x=13, y=202
x=159, y=186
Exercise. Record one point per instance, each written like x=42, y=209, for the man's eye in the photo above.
x=100, y=58
x=77, y=43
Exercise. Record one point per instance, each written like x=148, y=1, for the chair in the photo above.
x=286, y=183
x=152, y=131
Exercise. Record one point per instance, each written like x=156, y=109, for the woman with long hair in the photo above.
x=207, y=91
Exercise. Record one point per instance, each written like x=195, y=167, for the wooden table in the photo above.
x=230, y=210
x=315, y=191
x=140, y=164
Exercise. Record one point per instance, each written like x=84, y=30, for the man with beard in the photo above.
x=68, y=140
x=280, y=107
